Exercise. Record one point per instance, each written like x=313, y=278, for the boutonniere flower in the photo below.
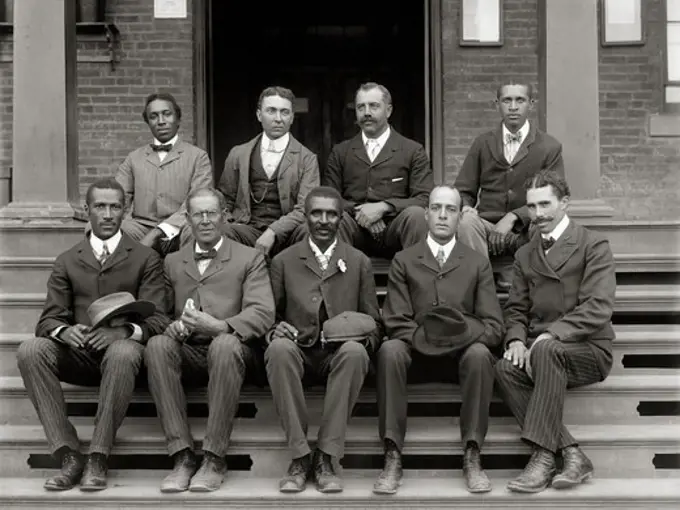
x=342, y=266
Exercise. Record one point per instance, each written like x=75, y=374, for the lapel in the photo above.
x=496, y=145
x=537, y=258
x=340, y=252
x=526, y=143
x=151, y=156
x=358, y=149
x=120, y=254
x=216, y=264
x=391, y=146
x=429, y=260
x=305, y=253
x=291, y=152
x=244, y=167
x=174, y=153
x=190, y=267
x=563, y=248
x=86, y=255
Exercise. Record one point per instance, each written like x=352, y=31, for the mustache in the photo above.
x=541, y=220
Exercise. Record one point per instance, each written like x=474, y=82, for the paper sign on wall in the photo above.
x=170, y=8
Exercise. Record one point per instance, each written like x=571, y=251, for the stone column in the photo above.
x=569, y=102
x=45, y=130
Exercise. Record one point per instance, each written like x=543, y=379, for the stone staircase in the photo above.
x=629, y=424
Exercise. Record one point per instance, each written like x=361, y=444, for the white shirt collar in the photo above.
x=111, y=243
x=172, y=141
x=381, y=140
x=280, y=143
x=434, y=246
x=328, y=253
x=558, y=230
x=198, y=249
x=523, y=132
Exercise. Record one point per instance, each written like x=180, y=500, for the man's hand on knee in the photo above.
x=101, y=338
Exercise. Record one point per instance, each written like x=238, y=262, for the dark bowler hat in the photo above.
x=116, y=305
x=445, y=330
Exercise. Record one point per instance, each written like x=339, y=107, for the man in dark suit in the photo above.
x=495, y=216
x=384, y=178
x=559, y=332
x=215, y=340
x=266, y=180
x=314, y=280
x=157, y=178
x=67, y=348
x=438, y=277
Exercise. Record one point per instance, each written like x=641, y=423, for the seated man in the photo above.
x=384, y=178
x=215, y=340
x=158, y=177
x=75, y=344
x=441, y=302
x=266, y=180
x=315, y=281
x=495, y=216
x=559, y=332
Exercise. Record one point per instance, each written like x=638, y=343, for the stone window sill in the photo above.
x=664, y=125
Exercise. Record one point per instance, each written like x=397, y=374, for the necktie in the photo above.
x=516, y=137
x=272, y=147
x=104, y=255
x=441, y=257
x=165, y=148
x=205, y=255
x=372, y=148
x=547, y=243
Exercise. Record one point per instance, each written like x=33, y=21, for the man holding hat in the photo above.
x=92, y=332
x=441, y=302
x=328, y=323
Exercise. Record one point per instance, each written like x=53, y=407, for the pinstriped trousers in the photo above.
x=221, y=365
x=43, y=362
x=538, y=405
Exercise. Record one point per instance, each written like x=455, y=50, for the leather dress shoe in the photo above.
x=210, y=475
x=94, y=474
x=297, y=475
x=324, y=474
x=576, y=468
x=70, y=474
x=537, y=474
x=475, y=477
x=180, y=476
x=390, y=477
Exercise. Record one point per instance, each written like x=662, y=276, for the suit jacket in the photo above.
x=569, y=292
x=416, y=284
x=300, y=286
x=495, y=186
x=158, y=190
x=234, y=287
x=78, y=279
x=298, y=175
x=399, y=175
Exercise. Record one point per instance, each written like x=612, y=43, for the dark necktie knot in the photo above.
x=205, y=255
x=165, y=147
x=547, y=243
x=513, y=137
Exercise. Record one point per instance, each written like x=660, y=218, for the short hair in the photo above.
x=549, y=178
x=449, y=187
x=531, y=91
x=207, y=192
x=105, y=183
x=163, y=96
x=365, y=87
x=324, y=192
x=276, y=90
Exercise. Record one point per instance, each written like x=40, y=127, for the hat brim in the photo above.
x=475, y=329
x=139, y=309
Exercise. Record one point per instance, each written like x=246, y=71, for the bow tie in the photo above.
x=165, y=147
x=205, y=255
x=547, y=243
x=510, y=137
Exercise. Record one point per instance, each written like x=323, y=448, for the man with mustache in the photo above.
x=222, y=300
x=266, y=180
x=558, y=332
x=157, y=178
x=315, y=282
x=384, y=178
x=495, y=218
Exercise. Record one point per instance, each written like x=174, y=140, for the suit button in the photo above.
x=315, y=299
x=434, y=303
x=440, y=277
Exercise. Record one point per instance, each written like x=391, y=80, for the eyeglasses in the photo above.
x=211, y=215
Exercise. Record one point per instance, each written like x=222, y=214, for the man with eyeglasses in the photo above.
x=221, y=296
x=265, y=180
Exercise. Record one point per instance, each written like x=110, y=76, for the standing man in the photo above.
x=316, y=282
x=72, y=347
x=441, y=301
x=495, y=216
x=559, y=332
x=384, y=178
x=215, y=340
x=158, y=177
x=266, y=180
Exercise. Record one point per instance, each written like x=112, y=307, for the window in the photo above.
x=672, y=85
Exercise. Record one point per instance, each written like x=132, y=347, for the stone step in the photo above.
x=616, y=450
x=44, y=239
x=445, y=491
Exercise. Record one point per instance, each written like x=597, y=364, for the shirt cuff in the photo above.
x=136, y=332
x=170, y=231
x=55, y=332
